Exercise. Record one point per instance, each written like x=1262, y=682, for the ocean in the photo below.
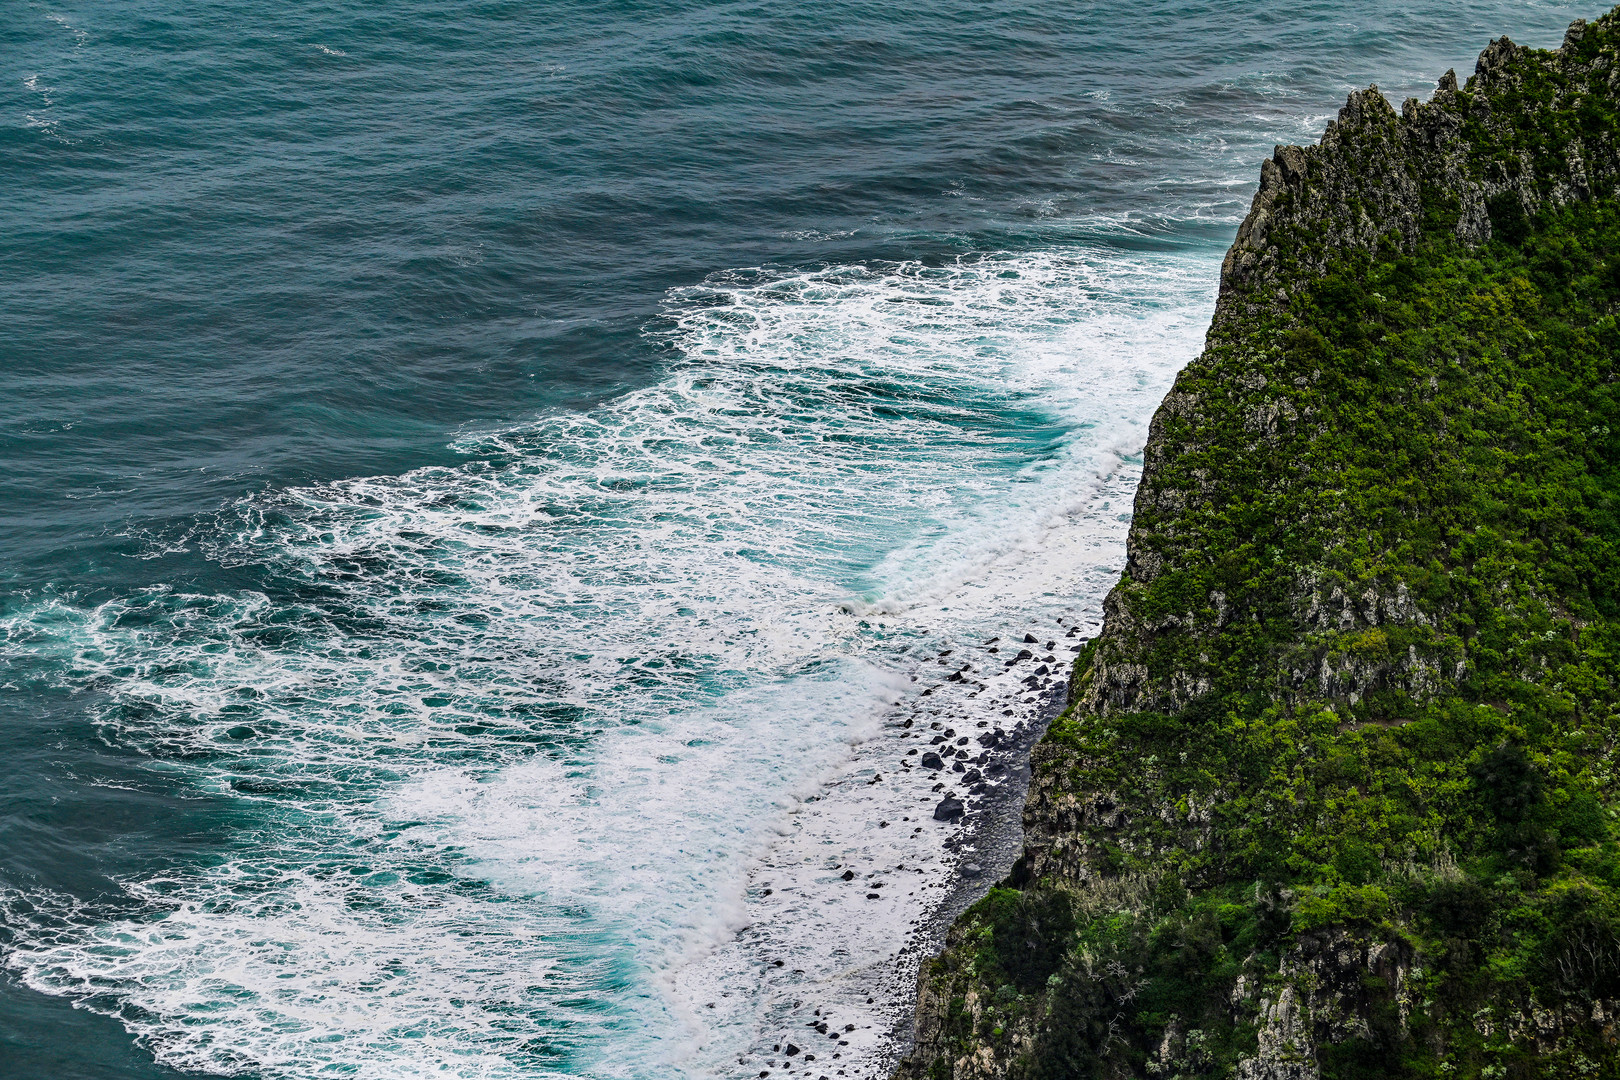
x=492, y=495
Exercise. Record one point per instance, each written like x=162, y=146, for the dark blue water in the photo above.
x=425, y=429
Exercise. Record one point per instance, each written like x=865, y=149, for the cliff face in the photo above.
x=1337, y=795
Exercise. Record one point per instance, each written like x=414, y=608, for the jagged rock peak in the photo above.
x=1378, y=175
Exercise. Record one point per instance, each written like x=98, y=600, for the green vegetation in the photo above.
x=1351, y=811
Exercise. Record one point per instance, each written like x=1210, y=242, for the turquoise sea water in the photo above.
x=467, y=467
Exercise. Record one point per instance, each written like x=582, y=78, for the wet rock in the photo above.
x=973, y=777
x=791, y=1050
x=949, y=809
x=1030, y=639
x=957, y=766
x=932, y=760
x=972, y=869
x=848, y=875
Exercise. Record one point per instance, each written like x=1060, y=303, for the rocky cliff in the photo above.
x=1337, y=793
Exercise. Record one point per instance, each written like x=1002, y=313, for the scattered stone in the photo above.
x=973, y=777
x=932, y=760
x=972, y=869
x=949, y=809
x=849, y=875
x=791, y=1050
x=1029, y=639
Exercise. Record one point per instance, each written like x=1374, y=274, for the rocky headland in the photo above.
x=1336, y=793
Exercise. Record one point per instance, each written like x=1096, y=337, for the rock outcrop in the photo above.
x=1336, y=793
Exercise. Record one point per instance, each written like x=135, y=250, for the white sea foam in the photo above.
x=518, y=743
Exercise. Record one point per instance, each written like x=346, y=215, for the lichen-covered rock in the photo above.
x=1337, y=794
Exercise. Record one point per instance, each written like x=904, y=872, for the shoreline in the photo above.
x=996, y=836
x=827, y=946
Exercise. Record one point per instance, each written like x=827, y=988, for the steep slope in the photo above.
x=1337, y=793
